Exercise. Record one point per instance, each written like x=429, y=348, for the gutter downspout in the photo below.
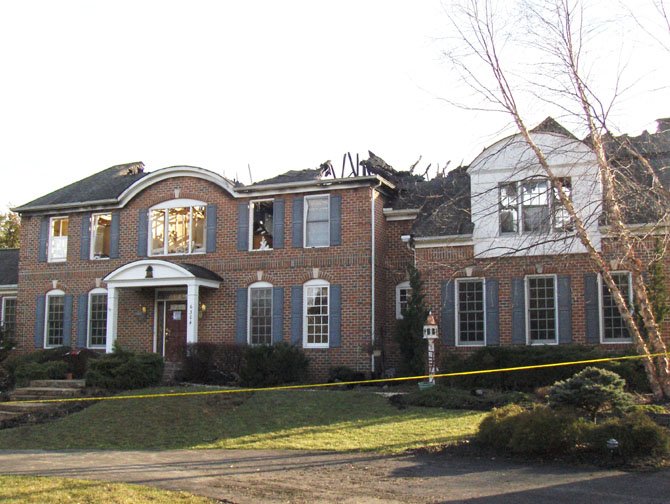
x=373, y=241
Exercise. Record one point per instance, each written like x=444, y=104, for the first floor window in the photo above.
x=9, y=316
x=101, y=235
x=470, y=311
x=317, y=221
x=58, y=232
x=97, y=318
x=316, y=294
x=178, y=229
x=260, y=314
x=541, y=309
x=614, y=326
x=55, y=319
x=262, y=221
x=402, y=293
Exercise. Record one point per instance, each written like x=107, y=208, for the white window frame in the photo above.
x=251, y=224
x=457, y=317
x=50, y=257
x=527, y=308
x=165, y=206
x=93, y=234
x=259, y=285
x=52, y=294
x=398, y=308
x=304, y=220
x=601, y=309
x=305, y=287
x=97, y=291
x=4, y=308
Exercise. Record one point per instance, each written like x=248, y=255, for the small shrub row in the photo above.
x=213, y=363
x=446, y=397
x=547, y=432
x=631, y=371
x=124, y=370
x=51, y=363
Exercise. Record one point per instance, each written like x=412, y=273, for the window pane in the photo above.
x=198, y=229
x=318, y=234
x=541, y=309
x=508, y=209
x=9, y=316
x=101, y=241
x=97, y=325
x=535, y=206
x=614, y=327
x=317, y=228
x=157, y=232
x=55, y=319
x=562, y=221
x=317, y=315
x=178, y=220
x=403, y=297
x=261, y=225
x=536, y=219
x=58, y=239
x=471, y=311
x=260, y=316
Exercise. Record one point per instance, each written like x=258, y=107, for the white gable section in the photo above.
x=511, y=160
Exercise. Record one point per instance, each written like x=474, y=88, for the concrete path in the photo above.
x=236, y=476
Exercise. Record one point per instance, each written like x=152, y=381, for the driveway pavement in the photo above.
x=237, y=476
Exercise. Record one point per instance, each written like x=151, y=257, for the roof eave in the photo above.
x=317, y=184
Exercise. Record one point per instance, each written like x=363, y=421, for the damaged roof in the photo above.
x=104, y=185
x=9, y=266
x=292, y=176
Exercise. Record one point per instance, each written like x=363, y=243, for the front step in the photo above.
x=5, y=415
x=23, y=407
x=46, y=392
x=60, y=384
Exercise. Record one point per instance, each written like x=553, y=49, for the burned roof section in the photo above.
x=9, y=266
x=292, y=176
x=104, y=185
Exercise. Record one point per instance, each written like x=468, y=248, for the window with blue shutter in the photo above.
x=296, y=315
x=448, y=313
x=82, y=320
x=492, y=313
x=210, y=225
x=335, y=336
x=277, y=314
x=297, y=222
x=278, y=224
x=142, y=231
x=242, y=227
x=241, y=316
x=115, y=235
x=335, y=220
x=518, y=312
x=85, y=238
x=67, y=319
x=40, y=304
x=43, y=239
x=564, y=310
x=591, y=308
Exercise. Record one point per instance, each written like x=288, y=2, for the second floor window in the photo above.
x=58, y=231
x=261, y=216
x=530, y=207
x=101, y=235
x=178, y=229
x=317, y=221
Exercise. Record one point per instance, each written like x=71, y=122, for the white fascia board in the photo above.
x=443, y=241
x=400, y=215
x=656, y=228
x=310, y=186
x=8, y=289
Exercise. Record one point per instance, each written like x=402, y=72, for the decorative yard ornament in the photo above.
x=430, y=335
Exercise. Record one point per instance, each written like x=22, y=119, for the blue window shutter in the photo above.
x=564, y=310
x=40, y=302
x=278, y=224
x=243, y=227
x=85, y=238
x=277, y=314
x=335, y=312
x=210, y=226
x=82, y=320
x=336, y=220
x=492, y=313
x=42, y=242
x=448, y=314
x=518, y=311
x=142, y=231
x=296, y=224
x=296, y=315
x=241, y=317
x=591, y=308
x=115, y=235
x=67, y=319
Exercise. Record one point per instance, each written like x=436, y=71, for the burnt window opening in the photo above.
x=262, y=220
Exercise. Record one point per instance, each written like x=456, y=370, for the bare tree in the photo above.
x=558, y=32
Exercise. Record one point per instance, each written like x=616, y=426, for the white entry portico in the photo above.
x=162, y=274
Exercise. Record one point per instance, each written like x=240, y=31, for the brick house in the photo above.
x=156, y=260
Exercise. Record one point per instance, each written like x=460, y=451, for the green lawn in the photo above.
x=297, y=419
x=25, y=489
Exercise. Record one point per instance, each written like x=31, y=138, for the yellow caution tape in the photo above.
x=338, y=384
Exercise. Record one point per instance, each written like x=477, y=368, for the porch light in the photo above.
x=149, y=272
x=430, y=334
x=203, y=309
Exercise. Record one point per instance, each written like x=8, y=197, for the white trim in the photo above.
x=259, y=285
x=177, y=203
x=92, y=235
x=50, y=238
x=93, y=292
x=527, y=307
x=601, y=312
x=314, y=283
x=457, y=333
x=398, y=288
x=164, y=207
x=304, y=220
x=50, y=294
x=171, y=274
x=402, y=214
x=251, y=224
x=422, y=242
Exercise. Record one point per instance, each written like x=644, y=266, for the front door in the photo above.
x=171, y=325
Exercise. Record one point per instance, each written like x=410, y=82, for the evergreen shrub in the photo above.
x=269, y=365
x=123, y=370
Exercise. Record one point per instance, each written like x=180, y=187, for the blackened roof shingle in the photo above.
x=293, y=176
x=201, y=272
x=9, y=266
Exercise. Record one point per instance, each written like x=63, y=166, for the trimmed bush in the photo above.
x=455, y=398
x=213, y=363
x=266, y=366
x=50, y=370
x=344, y=374
x=5, y=380
x=498, y=426
x=592, y=391
x=124, y=370
x=543, y=431
x=514, y=356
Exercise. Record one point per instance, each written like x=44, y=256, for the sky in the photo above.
x=270, y=85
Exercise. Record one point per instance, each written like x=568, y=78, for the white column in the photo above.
x=112, y=317
x=193, y=304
